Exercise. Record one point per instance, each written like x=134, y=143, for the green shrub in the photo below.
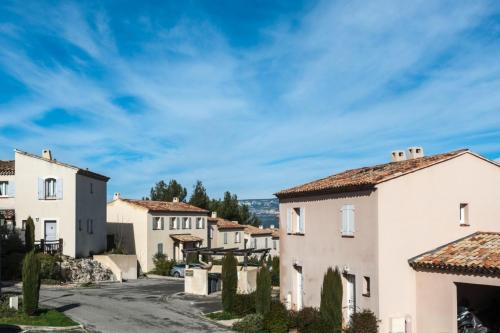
x=229, y=281
x=12, y=265
x=222, y=315
x=293, y=318
x=13, y=251
x=306, y=319
x=363, y=322
x=275, y=271
x=162, y=265
x=29, y=235
x=31, y=283
x=252, y=323
x=244, y=304
x=276, y=320
x=263, y=292
x=331, y=299
x=49, y=267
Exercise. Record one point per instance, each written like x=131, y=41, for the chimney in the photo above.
x=236, y=222
x=271, y=226
x=398, y=155
x=176, y=199
x=47, y=154
x=116, y=196
x=214, y=215
x=261, y=227
x=415, y=152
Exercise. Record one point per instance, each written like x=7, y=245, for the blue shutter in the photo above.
x=59, y=188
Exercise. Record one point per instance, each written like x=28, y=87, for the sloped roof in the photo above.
x=7, y=168
x=367, y=177
x=251, y=230
x=186, y=238
x=225, y=224
x=166, y=206
x=478, y=253
x=276, y=232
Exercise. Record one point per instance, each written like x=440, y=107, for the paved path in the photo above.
x=136, y=306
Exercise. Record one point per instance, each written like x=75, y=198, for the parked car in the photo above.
x=178, y=269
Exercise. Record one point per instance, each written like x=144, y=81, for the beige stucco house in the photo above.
x=225, y=234
x=66, y=202
x=145, y=228
x=258, y=237
x=370, y=221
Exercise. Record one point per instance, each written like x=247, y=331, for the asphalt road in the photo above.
x=137, y=306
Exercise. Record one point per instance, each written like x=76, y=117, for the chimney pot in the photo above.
x=116, y=196
x=214, y=215
x=415, y=152
x=398, y=155
x=47, y=154
x=235, y=222
x=176, y=199
x=261, y=226
x=271, y=226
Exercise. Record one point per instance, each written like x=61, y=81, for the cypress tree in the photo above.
x=331, y=299
x=31, y=283
x=229, y=281
x=263, y=292
x=29, y=235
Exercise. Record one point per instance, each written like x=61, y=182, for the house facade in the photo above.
x=258, y=237
x=66, y=202
x=369, y=222
x=225, y=234
x=145, y=228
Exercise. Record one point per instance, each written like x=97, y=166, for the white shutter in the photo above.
x=344, y=212
x=41, y=188
x=289, y=221
x=348, y=220
x=162, y=223
x=302, y=220
x=352, y=223
x=59, y=188
x=11, y=189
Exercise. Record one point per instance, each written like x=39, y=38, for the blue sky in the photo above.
x=248, y=96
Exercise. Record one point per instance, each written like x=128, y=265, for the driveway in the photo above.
x=145, y=305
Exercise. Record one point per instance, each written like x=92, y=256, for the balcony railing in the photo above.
x=49, y=246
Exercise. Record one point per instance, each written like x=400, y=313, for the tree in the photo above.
x=29, y=235
x=331, y=299
x=199, y=198
x=229, y=281
x=166, y=192
x=229, y=208
x=263, y=292
x=31, y=283
x=274, y=263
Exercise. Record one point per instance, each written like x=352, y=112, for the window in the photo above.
x=366, y=286
x=160, y=248
x=186, y=223
x=210, y=232
x=91, y=188
x=274, y=244
x=225, y=237
x=348, y=220
x=23, y=224
x=4, y=188
x=464, y=214
x=266, y=242
x=295, y=221
x=157, y=223
x=79, y=225
x=173, y=223
x=50, y=188
x=200, y=223
x=254, y=243
x=237, y=237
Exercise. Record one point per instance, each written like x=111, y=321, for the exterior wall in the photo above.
x=322, y=246
x=261, y=241
x=231, y=238
x=7, y=202
x=129, y=223
x=275, y=251
x=28, y=170
x=419, y=212
x=90, y=206
x=124, y=267
x=214, y=241
x=436, y=299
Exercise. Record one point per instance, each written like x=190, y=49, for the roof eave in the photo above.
x=332, y=190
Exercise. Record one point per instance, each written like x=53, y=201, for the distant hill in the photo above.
x=267, y=210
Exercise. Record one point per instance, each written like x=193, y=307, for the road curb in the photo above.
x=43, y=328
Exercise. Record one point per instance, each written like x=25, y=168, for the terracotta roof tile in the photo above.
x=7, y=168
x=186, y=238
x=225, y=224
x=165, y=206
x=251, y=230
x=276, y=232
x=478, y=253
x=367, y=177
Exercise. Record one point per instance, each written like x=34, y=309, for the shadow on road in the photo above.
x=68, y=307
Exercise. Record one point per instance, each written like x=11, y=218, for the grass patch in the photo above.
x=43, y=318
x=221, y=315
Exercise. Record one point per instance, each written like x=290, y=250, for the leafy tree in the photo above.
x=12, y=253
x=229, y=208
x=29, y=234
x=166, y=192
x=331, y=299
x=199, y=198
x=229, y=281
x=263, y=292
x=31, y=283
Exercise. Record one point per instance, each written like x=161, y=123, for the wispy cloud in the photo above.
x=154, y=95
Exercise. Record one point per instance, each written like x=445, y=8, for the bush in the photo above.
x=229, y=281
x=331, y=299
x=192, y=258
x=363, y=322
x=263, y=292
x=49, y=267
x=276, y=320
x=162, y=265
x=29, y=235
x=275, y=271
x=13, y=251
x=252, y=323
x=244, y=304
x=31, y=283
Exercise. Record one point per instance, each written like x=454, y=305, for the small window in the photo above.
x=295, y=220
x=91, y=226
x=237, y=237
x=348, y=222
x=4, y=189
x=80, y=225
x=200, y=223
x=50, y=188
x=464, y=214
x=225, y=237
x=254, y=243
x=23, y=224
x=366, y=286
x=186, y=223
x=157, y=223
x=91, y=188
x=160, y=248
x=172, y=223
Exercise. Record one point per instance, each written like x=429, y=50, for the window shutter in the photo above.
x=59, y=188
x=344, y=213
x=302, y=220
x=289, y=221
x=41, y=188
x=352, y=223
x=11, y=190
x=162, y=223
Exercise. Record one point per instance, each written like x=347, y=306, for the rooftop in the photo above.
x=251, y=230
x=186, y=238
x=367, y=177
x=166, y=206
x=478, y=253
x=225, y=224
x=7, y=168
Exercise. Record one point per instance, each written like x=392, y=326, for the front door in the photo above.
x=300, y=287
x=351, y=295
x=50, y=230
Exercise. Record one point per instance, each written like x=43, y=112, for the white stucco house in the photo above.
x=66, y=203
